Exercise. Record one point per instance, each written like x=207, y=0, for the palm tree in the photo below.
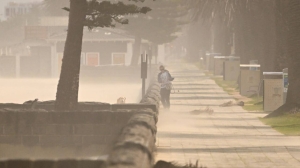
x=293, y=48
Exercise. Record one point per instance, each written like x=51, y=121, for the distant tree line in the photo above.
x=267, y=31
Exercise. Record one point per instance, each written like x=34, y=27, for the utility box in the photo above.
x=254, y=62
x=249, y=80
x=273, y=90
x=231, y=70
x=218, y=65
x=210, y=60
x=285, y=83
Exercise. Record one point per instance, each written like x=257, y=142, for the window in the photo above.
x=118, y=58
x=92, y=59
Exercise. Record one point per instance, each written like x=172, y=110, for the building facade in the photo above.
x=14, y=9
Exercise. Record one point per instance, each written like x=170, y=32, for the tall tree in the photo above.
x=91, y=14
x=289, y=39
x=275, y=26
x=293, y=43
x=67, y=89
x=159, y=26
x=252, y=22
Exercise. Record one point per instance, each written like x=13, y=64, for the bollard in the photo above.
x=218, y=65
x=249, y=82
x=144, y=71
x=231, y=70
x=210, y=60
x=285, y=83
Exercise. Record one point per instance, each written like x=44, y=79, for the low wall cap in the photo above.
x=272, y=73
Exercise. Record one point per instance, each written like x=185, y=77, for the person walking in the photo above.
x=165, y=78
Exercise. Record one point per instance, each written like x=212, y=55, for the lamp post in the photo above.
x=144, y=68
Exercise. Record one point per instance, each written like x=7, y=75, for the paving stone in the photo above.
x=230, y=137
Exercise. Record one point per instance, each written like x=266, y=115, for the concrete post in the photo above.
x=54, y=61
x=129, y=54
x=17, y=66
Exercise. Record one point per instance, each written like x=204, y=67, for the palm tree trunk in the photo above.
x=292, y=15
x=136, y=51
x=68, y=86
x=293, y=95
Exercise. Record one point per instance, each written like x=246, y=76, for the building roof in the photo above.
x=99, y=34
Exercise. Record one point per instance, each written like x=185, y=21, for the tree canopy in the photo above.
x=161, y=24
x=92, y=14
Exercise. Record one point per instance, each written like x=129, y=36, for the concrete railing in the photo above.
x=72, y=129
x=136, y=143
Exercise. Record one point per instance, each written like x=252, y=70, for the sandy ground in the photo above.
x=20, y=90
x=230, y=137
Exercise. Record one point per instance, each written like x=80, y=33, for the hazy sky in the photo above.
x=3, y=3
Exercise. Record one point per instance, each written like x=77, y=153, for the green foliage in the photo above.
x=158, y=26
x=287, y=124
x=161, y=24
x=105, y=13
x=229, y=11
x=99, y=13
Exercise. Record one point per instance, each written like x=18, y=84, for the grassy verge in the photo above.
x=255, y=104
x=228, y=86
x=288, y=124
x=199, y=65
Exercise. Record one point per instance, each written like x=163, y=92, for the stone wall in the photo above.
x=136, y=144
x=52, y=164
x=95, y=123
x=130, y=129
x=39, y=128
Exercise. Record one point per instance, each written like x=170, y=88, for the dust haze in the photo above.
x=21, y=90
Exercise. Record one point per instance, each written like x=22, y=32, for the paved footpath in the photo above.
x=230, y=137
